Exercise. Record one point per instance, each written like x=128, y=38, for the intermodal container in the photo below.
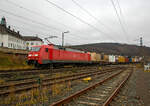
x=93, y=56
x=126, y=59
x=116, y=58
x=106, y=58
x=121, y=59
x=112, y=58
x=130, y=59
x=98, y=56
x=133, y=59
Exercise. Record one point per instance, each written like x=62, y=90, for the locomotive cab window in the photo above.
x=46, y=49
x=35, y=49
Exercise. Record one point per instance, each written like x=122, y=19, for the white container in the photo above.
x=112, y=58
x=146, y=67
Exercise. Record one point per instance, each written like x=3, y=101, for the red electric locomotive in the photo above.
x=50, y=54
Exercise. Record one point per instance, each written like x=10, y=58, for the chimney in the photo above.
x=8, y=27
x=18, y=32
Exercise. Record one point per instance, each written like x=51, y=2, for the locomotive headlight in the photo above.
x=30, y=55
x=36, y=55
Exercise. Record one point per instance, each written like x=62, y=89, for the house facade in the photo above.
x=12, y=39
x=32, y=40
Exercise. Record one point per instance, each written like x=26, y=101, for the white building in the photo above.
x=11, y=39
x=32, y=40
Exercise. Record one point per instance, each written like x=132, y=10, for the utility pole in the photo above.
x=142, y=51
x=63, y=37
x=50, y=37
x=141, y=41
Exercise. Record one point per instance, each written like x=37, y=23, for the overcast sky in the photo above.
x=39, y=17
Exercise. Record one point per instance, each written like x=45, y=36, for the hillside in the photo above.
x=10, y=61
x=115, y=48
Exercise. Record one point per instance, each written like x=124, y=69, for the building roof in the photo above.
x=32, y=38
x=7, y=30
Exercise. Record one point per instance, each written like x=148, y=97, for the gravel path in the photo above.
x=134, y=92
x=143, y=86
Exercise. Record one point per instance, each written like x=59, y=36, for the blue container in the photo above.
x=130, y=59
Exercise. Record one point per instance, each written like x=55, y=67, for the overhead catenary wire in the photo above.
x=32, y=26
x=86, y=11
x=123, y=19
x=119, y=19
x=45, y=17
x=23, y=7
x=38, y=23
x=33, y=12
x=41, y=34
x=33, y=21
x=75, y=2
x=121, y=14
x=30, y=30
x=120, y=10
x=81, y=20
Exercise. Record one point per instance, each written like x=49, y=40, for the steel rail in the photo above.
x=45, y=72
x=32, y=81
x=34, y=69
x=77, y=94
x=49, y=83
x=116, y=91
x=37, y=69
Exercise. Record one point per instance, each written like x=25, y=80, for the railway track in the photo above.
x=28, y=71
x=98, y=94
x=44, y=69
x=18, y=76
x=34, y=71
x=11, y=75
x=30, y=84
x=35, y=76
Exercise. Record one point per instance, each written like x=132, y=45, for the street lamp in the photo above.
x=63, y=37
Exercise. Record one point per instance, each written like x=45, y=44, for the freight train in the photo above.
x=51, y=54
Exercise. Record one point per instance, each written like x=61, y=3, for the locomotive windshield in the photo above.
x=35, y=49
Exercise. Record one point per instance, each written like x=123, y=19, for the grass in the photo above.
x=139, y=66
x=36, y=96
x=12, y=62
x=2, y=81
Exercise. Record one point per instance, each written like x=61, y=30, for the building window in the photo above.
x=27, y=43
